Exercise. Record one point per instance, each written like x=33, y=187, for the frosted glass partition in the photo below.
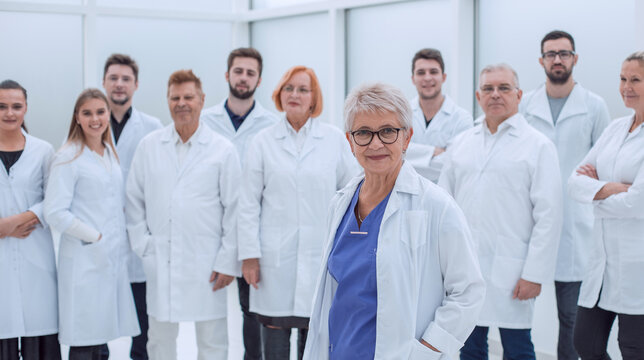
x=511, y=31
x=162, y=46
x=286, y=42
x=382, y=40
x=184, y=5
x=53, y=2
x=43, y=53
x=265, y=4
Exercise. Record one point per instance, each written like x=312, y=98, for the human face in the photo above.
x=497, y=104
x=557, y=70
x=93, y=117
x=185, y=102
x=428, y=78
x=13, y=107
x=120, y=84
x=243, y=77
x=631, y=85
x=378, y=158
x=298, y=101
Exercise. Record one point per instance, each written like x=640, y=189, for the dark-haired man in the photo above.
x=238, y=118
x=573, y=118
x=129, y=126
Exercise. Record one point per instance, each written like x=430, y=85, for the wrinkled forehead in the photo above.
x=497, y=77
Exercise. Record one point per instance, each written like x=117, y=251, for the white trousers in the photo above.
x=212, y=339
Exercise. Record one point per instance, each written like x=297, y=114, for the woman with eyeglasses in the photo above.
x=611, y=178
x=29, y=303
x=399, y=277
x=84, y=202
x=292, y=170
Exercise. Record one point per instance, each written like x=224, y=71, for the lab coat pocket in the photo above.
x=271, y=243
x=415, y=233
x=422, y=352
x=506, y=271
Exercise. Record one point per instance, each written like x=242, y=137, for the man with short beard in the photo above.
x=129, y=126
x=238, y=118
x=437, y=119
x=573, y=118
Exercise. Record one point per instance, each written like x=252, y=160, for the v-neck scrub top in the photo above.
x=352, y=263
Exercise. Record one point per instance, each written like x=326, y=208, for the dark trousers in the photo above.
x=93, y=352
x=567, y=294
x=592, y=329
x=277, y=343
x=251, y=327
x=44, y=347
x=517, y=344
x=138, y=350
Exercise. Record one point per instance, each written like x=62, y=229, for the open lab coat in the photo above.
x=448, y=122
x=616, y=267
x=94, y=294
x=181, y=222
x=512, y=200
x=428, y=278
x=581, y=121
x=283, y=204
x=138, y=126
x=217, y=118
x=29, y=304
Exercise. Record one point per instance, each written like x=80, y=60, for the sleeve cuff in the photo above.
x=441, y=339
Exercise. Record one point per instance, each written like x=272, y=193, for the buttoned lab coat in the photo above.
x=283, y=204
x=138, y=125
x=581, y=122
x=428, y=278
x=94, y=294
x=217, y=118
x=29, y=303
x=616, y=265
x=513, y=204
x=181, y=222
x=448, y=122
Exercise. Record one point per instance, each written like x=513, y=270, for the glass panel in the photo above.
x=286, y=42
x=184, y=5
x=44, y=54
x=382, y=40
x=268, y=4
x=161, y=47
x=513, y=33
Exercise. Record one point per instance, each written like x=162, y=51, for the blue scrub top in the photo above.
x=352, y=263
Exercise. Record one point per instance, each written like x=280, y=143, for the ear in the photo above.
x=478, y=97
x=348, y=136
x=226, y=76
x=519, y=94
x=444, y=77
x=259, y=81
x=541, y=62
x=575, y=58
x=408, y=139
x=136, y=84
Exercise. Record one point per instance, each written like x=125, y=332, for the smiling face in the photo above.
x=93, y=117
x=243, y=77
x=120, y=84
x=296, y=97
x=428, y=78
x=13, y=107
x=631, y=85
x=378, y=158
x=503, y=100
x=558, y=70
x=185, y=101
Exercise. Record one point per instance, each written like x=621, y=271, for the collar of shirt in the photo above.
x=117, y=127
x=491, y=139
x=299, y=136
x=237, y=120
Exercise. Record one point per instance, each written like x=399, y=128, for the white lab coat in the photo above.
x=283, y=203
x=428, y=278
x=616, y=265
x=95, y=299
x=513, y=205
x=448, y=122
x=138, y=126
x=29, y=304
x=181, y=222
x=581, y=122
x=217, y=118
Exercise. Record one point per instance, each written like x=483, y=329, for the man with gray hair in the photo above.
x=500, y=173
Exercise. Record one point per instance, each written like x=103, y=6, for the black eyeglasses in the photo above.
x=563, y=55
x=364, y=137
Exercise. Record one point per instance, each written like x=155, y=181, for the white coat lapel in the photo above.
x=131, y=128
x=168, y=146
x=502, y=143
x=575, y=105
x=313, y=139
x=202, y=137
x=539, y=107
x=282, y=136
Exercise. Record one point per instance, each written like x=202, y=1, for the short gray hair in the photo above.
x=377, y=98
x=636, y=56
x=501, y=66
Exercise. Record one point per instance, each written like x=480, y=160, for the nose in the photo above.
x=375, y=143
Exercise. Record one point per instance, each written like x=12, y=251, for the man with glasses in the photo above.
x=500, y=173
x=238, y=118
x=573, y=118
x=436, y=117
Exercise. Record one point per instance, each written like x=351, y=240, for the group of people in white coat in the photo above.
x=380, y=263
